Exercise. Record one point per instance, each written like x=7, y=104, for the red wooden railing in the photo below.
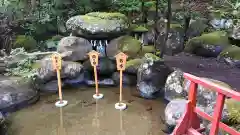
x=189, y=124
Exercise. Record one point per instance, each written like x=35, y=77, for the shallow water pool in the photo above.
x=84, y=116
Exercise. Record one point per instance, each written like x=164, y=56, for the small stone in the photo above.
x=130, y=101
x=149, y=108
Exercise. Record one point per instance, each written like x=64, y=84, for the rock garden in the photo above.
x=209, y=48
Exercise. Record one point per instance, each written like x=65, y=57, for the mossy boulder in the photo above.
x=106, y=67
x=151, y=57
x=231, y=55
x=175, y=25
x=208, y=45
x=178, y=87
x=151, y=77
x=148, y=49
x=126, y=44
x=98, y=25
x=233, y=107
x=232, y=52
x=133, y=65
x=74, y=48
x=27, y=42
x=138, y=29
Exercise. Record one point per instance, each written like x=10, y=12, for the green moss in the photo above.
x=231, y=52
x=175, y=26
x=92, y=19
x=140, y=29
x=233, y=108
x=107, y=15
x=27, y=42
x=129, y=45
x=150, y=56
x=213, y=38
x=148, y=49
x=36, y=65
x=103, y=18
x=134, y=63
x=158, y=52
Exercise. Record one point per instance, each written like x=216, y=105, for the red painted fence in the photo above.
x=190, y=123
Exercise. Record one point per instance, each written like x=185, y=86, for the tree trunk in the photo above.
x=33, y=4
x=155, y=25
x=169, y=15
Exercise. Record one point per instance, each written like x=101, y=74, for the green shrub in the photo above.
x=27, y=42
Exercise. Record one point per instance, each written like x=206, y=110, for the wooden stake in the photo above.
x=96, y=79
x=57, y=66
x=93, y=55
x=121, y=63
x=120, y=96
x=59, y=85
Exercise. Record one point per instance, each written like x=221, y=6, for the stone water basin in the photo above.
x=84, y=116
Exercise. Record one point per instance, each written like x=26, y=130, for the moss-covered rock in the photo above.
x=232, y=52
x=148, y=49
x=175, y=25
x=209, y=45
x=98, y=24
x=151, y=57
x=177, y=87
x=106, y=15
x=27, y=42
x=74, y=48
x=126, y=44
x=233, y=107
x=106, y=67
x=139, y=28
x=214, y=38
x=133, y=65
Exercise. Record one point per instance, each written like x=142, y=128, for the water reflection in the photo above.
x=96, y=122
x=84, y=116
x=61, y=129
x=122, y=132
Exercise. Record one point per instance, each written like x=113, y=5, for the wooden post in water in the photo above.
x=93, y=56
x=121, y=59
x=57, y=66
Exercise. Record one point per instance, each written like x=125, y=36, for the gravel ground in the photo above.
x=206, y=67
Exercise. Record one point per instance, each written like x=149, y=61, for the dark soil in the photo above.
x=206, y=67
